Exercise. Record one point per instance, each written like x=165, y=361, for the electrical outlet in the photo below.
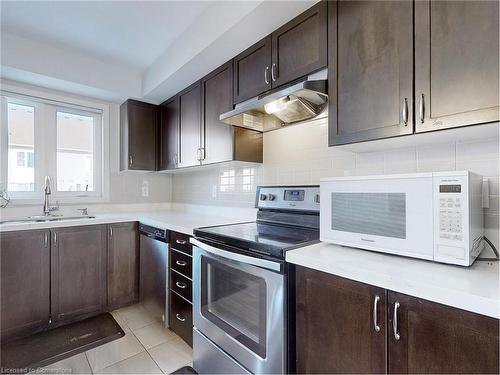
x=145, y=191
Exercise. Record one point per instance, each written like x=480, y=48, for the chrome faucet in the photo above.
x=46, y=191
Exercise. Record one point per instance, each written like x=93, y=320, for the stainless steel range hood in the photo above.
x=301, y=100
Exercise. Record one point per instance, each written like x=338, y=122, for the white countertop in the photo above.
x=178, y=219
x=474, y=288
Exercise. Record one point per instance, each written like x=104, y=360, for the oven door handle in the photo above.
x=268, y=264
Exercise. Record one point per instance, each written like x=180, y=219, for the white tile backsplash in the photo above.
x=300, y=154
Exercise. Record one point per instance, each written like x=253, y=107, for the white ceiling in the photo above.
x=130, y=32
x=116, y=50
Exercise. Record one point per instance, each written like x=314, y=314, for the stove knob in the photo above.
x=271, y=197
x=263, y=197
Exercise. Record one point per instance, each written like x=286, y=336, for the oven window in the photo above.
x=379, y=214
x=235, y=301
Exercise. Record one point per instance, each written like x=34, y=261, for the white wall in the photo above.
x=300, y=155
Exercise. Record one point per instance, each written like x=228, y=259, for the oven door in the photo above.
x=239, y=304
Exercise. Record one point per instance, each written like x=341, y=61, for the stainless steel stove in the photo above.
x=241, y=283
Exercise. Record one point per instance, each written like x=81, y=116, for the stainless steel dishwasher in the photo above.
x=153, y=277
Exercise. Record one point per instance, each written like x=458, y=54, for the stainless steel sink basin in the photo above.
x=42, y=218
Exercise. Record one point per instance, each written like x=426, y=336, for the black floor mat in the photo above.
x=51, y=346
x=186, y=370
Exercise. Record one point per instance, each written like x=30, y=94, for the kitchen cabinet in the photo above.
x=456, y=63
x=78, y=272
x=169, y=134
x=252, y=71
x=222, y=142
x=138, y=135
x=370, y=63
x=123, y=265
x=181, y=286
x=434, y=338
x=190, y=126
x=300, y=46
x=296, y=49
x=25, y=282
x=336, y=322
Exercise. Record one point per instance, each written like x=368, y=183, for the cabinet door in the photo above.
x=139, y=122
x=78, y=271
x=190, y=126
x=181, y=317
x=300, y=46
x=438, y=339
x=370, y=64
x=123, y=264
x=25, y=282
x=217, y=98
x=169, y=134
x=335, y=320
x=252, y=71
x=456, y=63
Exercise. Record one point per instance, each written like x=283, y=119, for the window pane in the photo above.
x=75, y=152
x=21, y=124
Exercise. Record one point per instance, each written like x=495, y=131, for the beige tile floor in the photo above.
x=146, y=348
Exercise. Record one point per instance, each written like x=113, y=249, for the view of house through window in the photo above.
x=21, y=157
x=75, y=152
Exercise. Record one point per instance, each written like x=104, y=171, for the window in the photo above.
x=51, y=138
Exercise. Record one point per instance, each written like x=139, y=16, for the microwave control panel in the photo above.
x=450, y=212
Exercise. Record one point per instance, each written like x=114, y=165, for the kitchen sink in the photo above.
x=42, y=218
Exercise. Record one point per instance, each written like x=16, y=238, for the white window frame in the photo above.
x=47, y=105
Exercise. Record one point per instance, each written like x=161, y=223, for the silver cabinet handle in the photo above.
x=180, y=285
x=179, y=318
x=421, y=108
x=274, y=73
x=180, y=242
x=375, y=313
x=405, y=111
x=46, y=239
x=181, y=263
x=110, y=231
x=266, y=75
x=55, y=238
x=395, y=321
x=131, y=160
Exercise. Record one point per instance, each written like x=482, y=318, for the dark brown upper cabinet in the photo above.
x=456, y=63
x=123, y=264
x=222, y=142
x=370, y=63
x=78, y=272
x=337, y=322
x=437, y=339
x=300, y=46
x=296, y=49
x=25, y=282
x=190, y=126
x=344, y=326
x=138, y=135
x=252, y=71
x=169, y=134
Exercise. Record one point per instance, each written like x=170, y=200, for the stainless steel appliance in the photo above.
x=241, y=284
x=298, y=101
x=435, y=216
x=153, y=276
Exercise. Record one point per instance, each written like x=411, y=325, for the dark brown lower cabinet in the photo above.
x=335, y=325
x=181, y=318
x=336, y=321
x=123, y=264
x=434, y=338
x=78, y=272
x=25, y=282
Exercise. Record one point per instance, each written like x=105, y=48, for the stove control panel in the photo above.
x=297, y=198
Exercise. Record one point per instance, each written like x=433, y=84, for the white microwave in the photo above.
x=435, y=216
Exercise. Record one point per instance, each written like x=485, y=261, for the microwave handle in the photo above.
x=268, y=264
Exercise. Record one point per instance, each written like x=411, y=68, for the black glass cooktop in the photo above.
x=260, y=237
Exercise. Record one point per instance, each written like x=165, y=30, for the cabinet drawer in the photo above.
x=181, y=318
x=181, y=285
x=181, y=263
x=180, y=241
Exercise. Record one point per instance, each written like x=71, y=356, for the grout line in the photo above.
x=88, y=361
